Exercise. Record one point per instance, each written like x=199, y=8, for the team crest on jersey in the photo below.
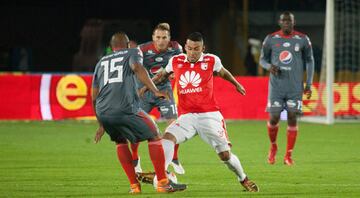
x=192, y=78
x=159, y=59
x=150, y=52
x=204, y=66
x=285, y=57
x=286, y=44
x=296, y=37
x=297, y=47
x=276, y=36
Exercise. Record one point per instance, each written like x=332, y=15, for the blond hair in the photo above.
x=163, y=27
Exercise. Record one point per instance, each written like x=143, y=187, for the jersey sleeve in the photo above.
x=217, y=64
x=180, y=49
x=95, y=80
x=169, y=66
x=309, y=61
x=136, y=57
x=265, y=56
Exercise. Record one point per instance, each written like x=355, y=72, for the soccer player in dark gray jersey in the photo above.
x=117, y=110
x=156, y=56
x=115, y=80
x=284, y=53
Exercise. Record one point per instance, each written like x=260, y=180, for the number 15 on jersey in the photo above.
x=115, y=74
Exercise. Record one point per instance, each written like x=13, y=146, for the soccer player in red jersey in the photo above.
x=198, y=109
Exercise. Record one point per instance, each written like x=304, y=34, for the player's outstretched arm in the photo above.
x=157, y=79
x=225, y=74
x=144, y=78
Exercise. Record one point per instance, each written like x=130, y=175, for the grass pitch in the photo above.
x=59, y=159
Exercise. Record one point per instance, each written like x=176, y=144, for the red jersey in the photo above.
x=194, y=82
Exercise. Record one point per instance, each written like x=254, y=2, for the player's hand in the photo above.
x=162, y=95
x=241, y=89
x=99, y=133
x=142, y=91
x=307, y=92
x=172, y=76
x=275, y=70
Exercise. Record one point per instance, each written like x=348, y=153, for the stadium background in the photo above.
x=69, y=37
x=48, y=50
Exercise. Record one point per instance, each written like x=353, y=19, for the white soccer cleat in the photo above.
x=137, y=166
x=178, y=168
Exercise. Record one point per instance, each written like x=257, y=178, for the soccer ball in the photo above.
x=170, y=176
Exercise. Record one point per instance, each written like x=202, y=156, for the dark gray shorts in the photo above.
x=291, y=101
x=133, y=127
x=167, y=108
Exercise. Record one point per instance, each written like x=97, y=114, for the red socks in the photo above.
x=291, y=139
x=157, y=158
x=176, y=148
x=134, y=149
x=125, y=159
x=272, y=132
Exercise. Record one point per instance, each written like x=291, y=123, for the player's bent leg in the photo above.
x=125, y=159
x=233, y=163
x=175, y=163
x=157, y=157
x=168, y=142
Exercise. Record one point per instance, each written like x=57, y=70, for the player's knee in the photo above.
x=274, y=120
x=169, y=136
x=224, y=156
x=292, y=121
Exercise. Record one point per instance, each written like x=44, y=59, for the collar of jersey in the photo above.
x=200, y=59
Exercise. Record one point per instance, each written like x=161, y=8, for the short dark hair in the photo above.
x=287, y=13
x=195, y=36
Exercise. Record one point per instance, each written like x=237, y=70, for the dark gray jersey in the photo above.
x=116, y=82
x=290, y=53
x=154, y=60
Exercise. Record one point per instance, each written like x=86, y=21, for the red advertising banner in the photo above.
x=56, y=97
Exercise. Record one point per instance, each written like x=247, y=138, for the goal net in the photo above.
x=336, y=97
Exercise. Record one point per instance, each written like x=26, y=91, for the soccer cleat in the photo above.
x=146, y=177
x=272, y=154
x=137, y=166
x=178, y=168
x=288, y=161
x=167, y=186
x=249, y=185
x=135, y=188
